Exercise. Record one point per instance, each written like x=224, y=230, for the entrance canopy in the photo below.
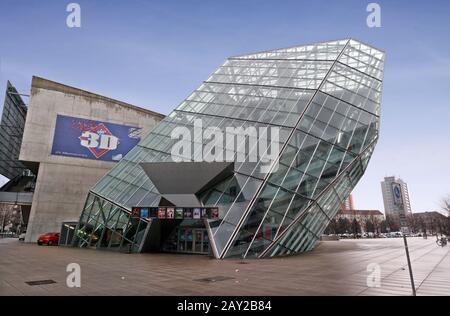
x=179, y=183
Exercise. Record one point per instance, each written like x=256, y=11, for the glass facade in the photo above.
x=325, y=100
x=12, y=125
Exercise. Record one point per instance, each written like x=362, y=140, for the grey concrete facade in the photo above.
x=63, y=182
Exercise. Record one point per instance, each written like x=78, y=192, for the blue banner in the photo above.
x=81, y=138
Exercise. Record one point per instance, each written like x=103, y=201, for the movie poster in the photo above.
x=214, y=213
x=187, y=213
x=144, y=212
x=153, y=212
x=161, y=213
x=179, y=213
x=135, y=212
x=170, y=213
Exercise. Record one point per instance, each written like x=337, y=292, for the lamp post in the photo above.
x=411, y=277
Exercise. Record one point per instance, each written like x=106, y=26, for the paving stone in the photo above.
x=333, y=268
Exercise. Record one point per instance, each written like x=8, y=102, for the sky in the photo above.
x=155, y=53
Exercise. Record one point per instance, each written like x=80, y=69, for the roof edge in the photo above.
x=289, y=47
x=42, y=83
x=348, y=39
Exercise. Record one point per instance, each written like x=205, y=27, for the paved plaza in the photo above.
x=333, y=268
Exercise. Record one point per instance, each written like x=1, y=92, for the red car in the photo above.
x=48, y=239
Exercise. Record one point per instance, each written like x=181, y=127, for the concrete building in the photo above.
x=70, y=141
x=395, y=197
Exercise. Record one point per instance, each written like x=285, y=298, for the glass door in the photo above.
x=192, y=240
x=205, y=241
x=198, y=240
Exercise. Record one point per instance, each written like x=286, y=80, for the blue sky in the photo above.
x=154, y=53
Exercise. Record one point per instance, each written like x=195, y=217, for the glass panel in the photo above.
x=326, y=134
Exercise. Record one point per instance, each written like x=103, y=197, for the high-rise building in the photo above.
x=395, y=197
x=325, y=100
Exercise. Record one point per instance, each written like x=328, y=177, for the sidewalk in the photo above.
x=333, y=268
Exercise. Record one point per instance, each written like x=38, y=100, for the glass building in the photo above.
x=12, y=125
x=325, y=100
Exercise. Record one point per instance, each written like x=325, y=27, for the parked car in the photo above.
x=395, y=234
x=22, y=236
x=48, y=239
x=7, y=235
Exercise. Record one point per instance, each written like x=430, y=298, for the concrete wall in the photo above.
x=63, y=182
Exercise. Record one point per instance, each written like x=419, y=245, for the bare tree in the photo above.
x=10, y=215
x=376, y=224
x=446, y=205
x=5, y=216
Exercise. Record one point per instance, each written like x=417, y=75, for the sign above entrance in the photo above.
x=175, y=212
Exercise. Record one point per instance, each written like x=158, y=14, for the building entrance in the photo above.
x=188, y=239
x=192, y=240
x=186, y=236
